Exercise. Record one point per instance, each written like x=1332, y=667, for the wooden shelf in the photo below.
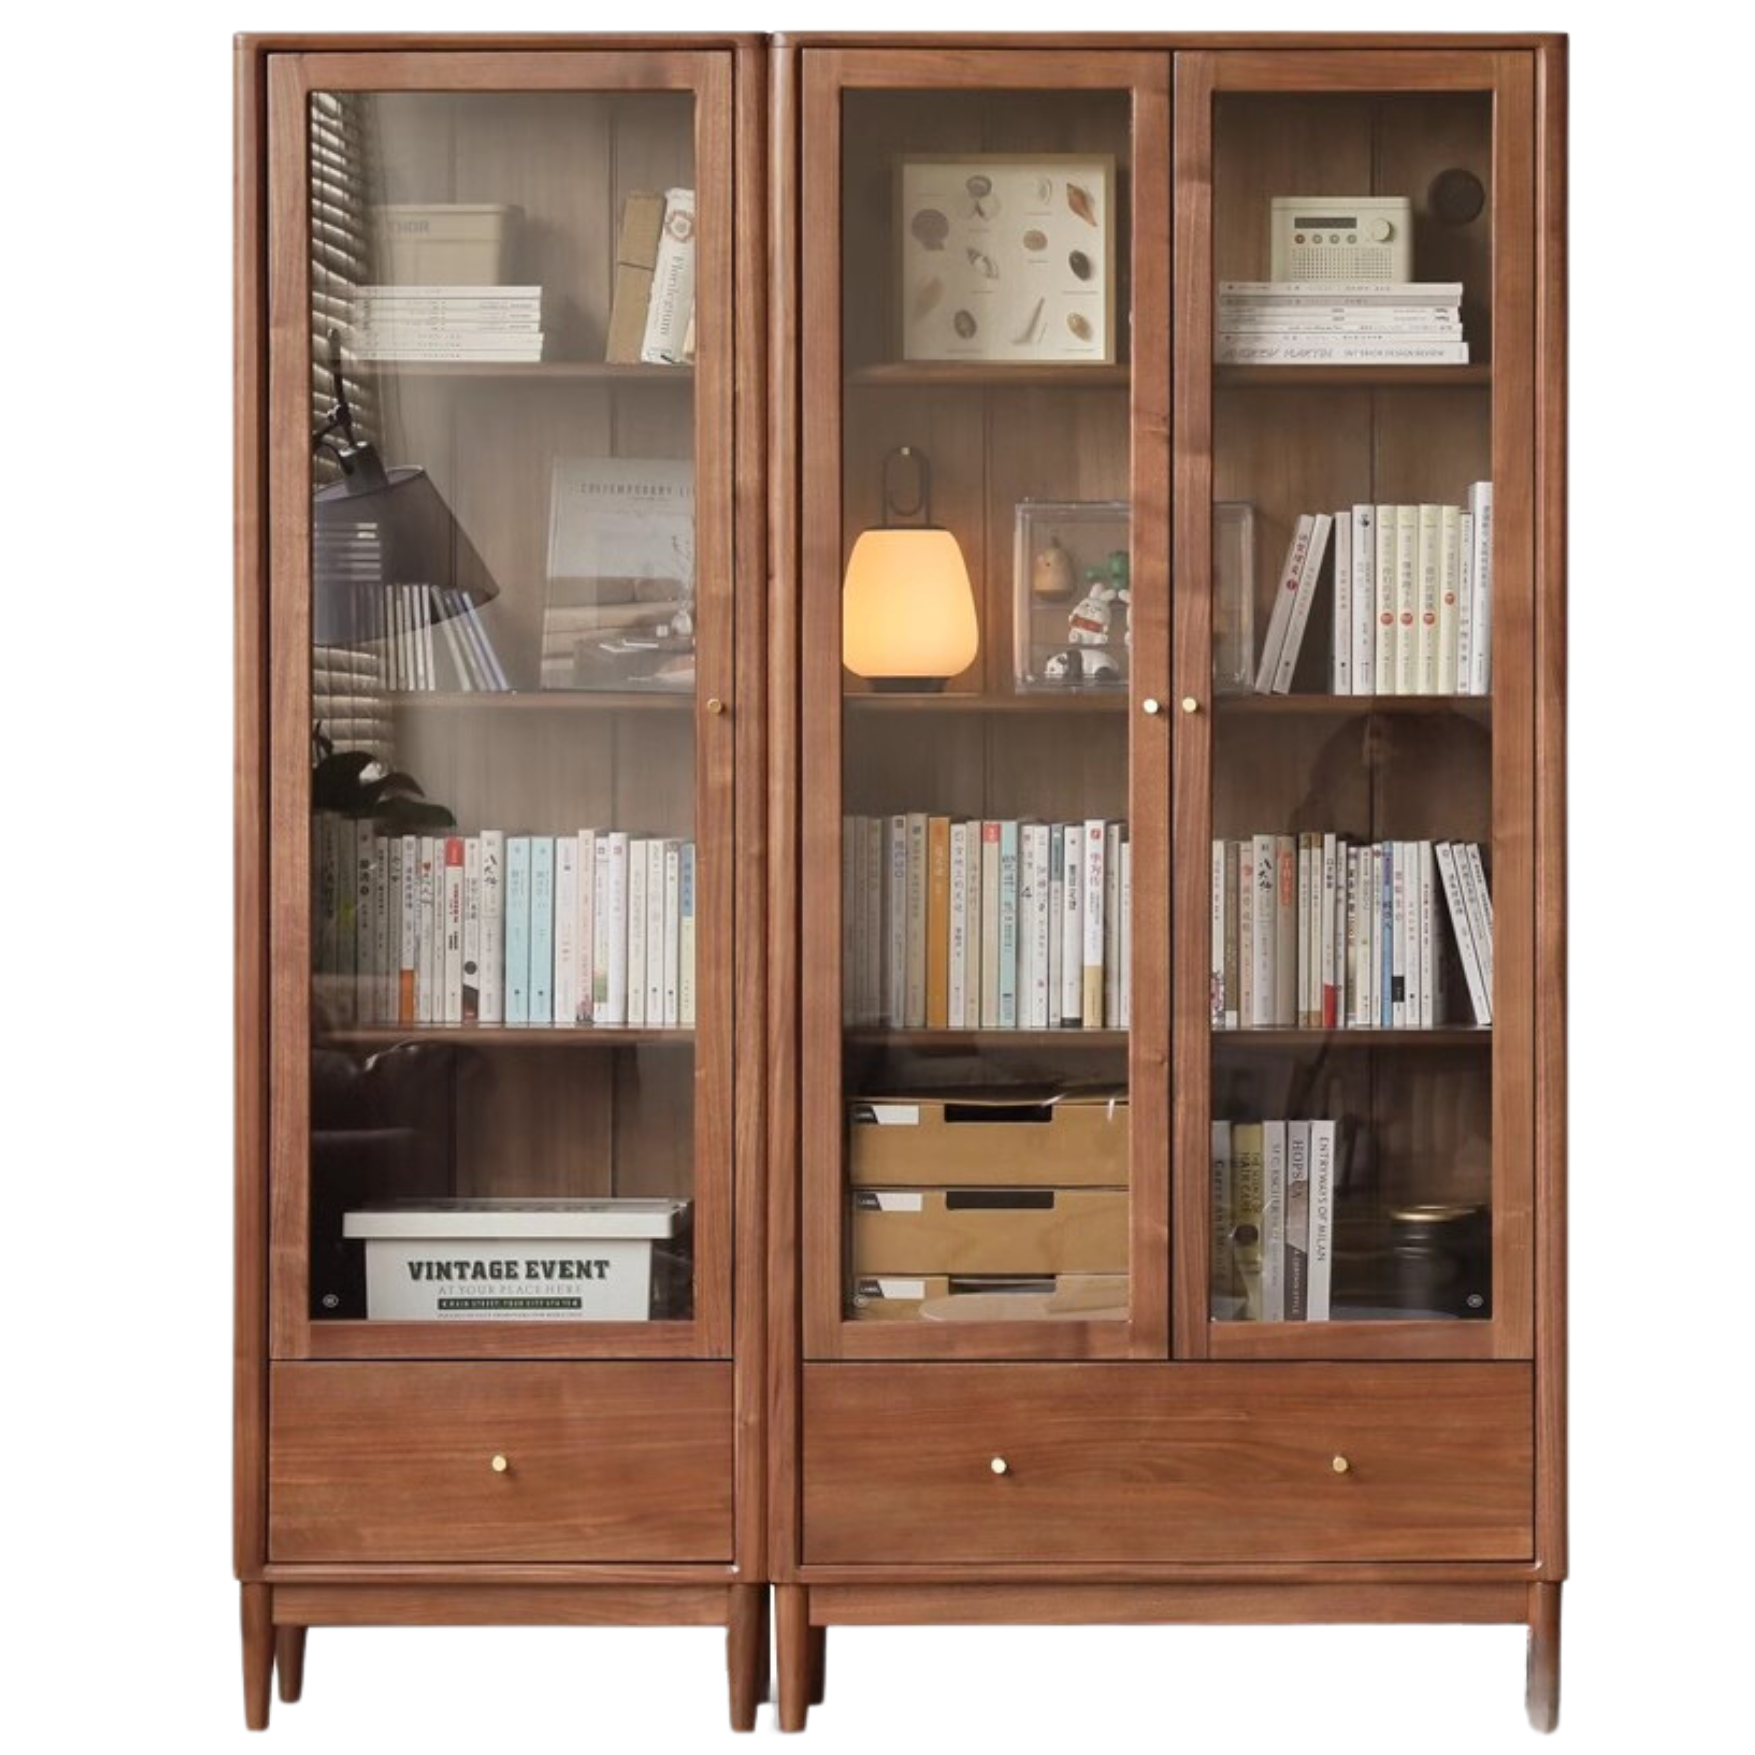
x=1352, y=706
x=534, y=371
x=979, y=375
x=1073, y=701
x=1352, y=377
x=497, y=1036
x=546, y=701
x=975, y=1040
x=1449, y=1036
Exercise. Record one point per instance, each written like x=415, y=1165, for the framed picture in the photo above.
x=1007, y=258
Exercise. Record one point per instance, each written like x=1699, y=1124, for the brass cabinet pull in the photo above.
x=1000, y=1466
x=1341, y=1465
x=500, y=1464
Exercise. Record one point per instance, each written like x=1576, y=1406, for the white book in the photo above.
x=1221, y=1215
x=1033, y=940
x=1331, y=854
x=429, y=1006
x=671, y=987
x=1339, y=350
x=1442, y=294
x=1428, y=961
x=1285, y=595
x=1053, y=924
x=1343, y=996
x=957, y=961
x=896, y=921
x=1428, y=569
x=1026, y=952
x=1008, y=924
x=867, y=893
x=585, y=925
x=493, y=926
x=564, y=998
x=408, y=927
x=1285, y=1006
x=1216, y=945
x=990, y=885
x=472, y=929
x=914, y=1010
x=1124, y=962
x=1457, y=908
x=1398, y=891
x=1265, y=935
x=1072, y=927
x=542, y=928
x=1465, y=601
x=1481, y=620
x=655, y=934
x=1306, y=595
x=1273, y=1221
x=461, y=679
x=1307, y=1009
x=611, y=1005
x=876, y=943
x=1297, y=1252
x=1363, y=633
x=1383, y=589
x=1112, y=926
x=1480, y=905
x=850, y=1013
x=1449, y=596
x=1091, y=966
x=600, y=930
x=1246, y=932
x=1322, y=1220
x=1350, y=1017
x=453, y=905
x=671, y=306
x=972, y=927
x=383, y=934
x=688, y=912
x=1340, y=640
x=1259, y=317
x=1407, y=600
x=638, y=868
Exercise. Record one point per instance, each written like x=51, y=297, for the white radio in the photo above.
x=1343, y=237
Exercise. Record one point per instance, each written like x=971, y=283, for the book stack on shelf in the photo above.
x=491, y=324
x=1340, y=322
x=949, y=924
x=417, y=931
x=652, y=311
x=1411, y=596
x=1310, y=932
x=1273, y=1219
x=459, y=658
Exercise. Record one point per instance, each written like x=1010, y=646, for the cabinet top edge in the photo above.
x=258, y=43
x=1162, y=40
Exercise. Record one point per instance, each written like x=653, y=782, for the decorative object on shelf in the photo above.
x=1342, y=237
x=621, y=575
x=1456, y=197
x=496, y=325
x=1233, y=596
x=1084, y=644
x=375, y=528
x=907, y=608
x=1007, y=258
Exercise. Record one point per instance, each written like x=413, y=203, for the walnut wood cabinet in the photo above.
x=1048, y=1384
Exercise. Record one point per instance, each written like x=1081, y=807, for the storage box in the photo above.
x=991, y=1298
x=445, y=243
x=1071, y=596
x=1071, y=1141
x=512, y=1261
x=924, y=1231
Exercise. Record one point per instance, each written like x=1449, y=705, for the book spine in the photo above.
x=957, y=948
x=1224, y=1282
x=990, y=837
x=672, y=983
x=638, y=869
x=1039, y=921
x=1322, y=1220
x=1480, y=906
x=613, y=934
x=1072, y=927
x=1246, y=893
x=1462, y=932
x=1465, y=602
x=565, y=998
x=542, y=928
x=1330, y=883
x=1399, y=934
x=1285, y=595
x=1091, y=989
x=972, y=929
x=472, y=929
x=1273, y=1221
x=1481, y=635
x=876, y=938
x=1112, y=926
x=1449, y=596
x=672, y=305
x=1350, y=1015
x=914, y=1012
x=1285, y=864
x=493, y=926
x=1339, y=350
x=1054, y=923
x=1265, y=934
x=1306, y=595
x=687, y=911
x=383, y=965
x=1216, y=942
x=655, y=933
x=1340, y=642
x=1246, y=1201
x=938, y=923
x=585, y=926
x=1423, y=865
x=1363, y=627
x=408, y=960
x=1429, y=565
x=1386, y=980
x=896, y=922
x=453, y=929
x=1383, y=594
x=1297, y=1252
x=1124, y=958
x=1233, y=936
x=1446, y=294
x=1306, y=962
x=1407, y=600
x=1008, y=924
x=429, y=1005
x=518, y=929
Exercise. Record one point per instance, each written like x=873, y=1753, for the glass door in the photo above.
x=985, y=629
x=501, y=397
x=1354, y=569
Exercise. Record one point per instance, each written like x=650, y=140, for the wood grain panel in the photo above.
x=1142, y=1463
x=606, y=1462
x=500, y=1605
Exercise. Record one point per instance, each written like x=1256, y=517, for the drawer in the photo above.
x=1167, y=1462
x=986, y=1142
x=603, y=1462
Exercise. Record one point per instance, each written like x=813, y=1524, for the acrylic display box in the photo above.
x=1071, y=595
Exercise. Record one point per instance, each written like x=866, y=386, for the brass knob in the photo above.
x=715, y=705
x=1150, y=705
x=1000, y=1466
x=500, y=1464
x=1190, y=704
x=1341, y=1465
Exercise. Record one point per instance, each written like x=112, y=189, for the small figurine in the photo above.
x=1051, y=574
x=1120, y=577
x=1088, y=625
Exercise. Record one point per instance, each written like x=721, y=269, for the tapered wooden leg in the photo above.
x=765, y=1660
x=819, y=1659
x=746, y=1652
x=289, y=1661
x=258, y=1654
x=792, y=1635
x=1542, y=1690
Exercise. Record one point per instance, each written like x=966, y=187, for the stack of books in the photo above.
x=458, y=659
x=1412, y=599
x=1340, y=322
x=652, y=311
x=495, y=324
x=1273, y=1218
x=592, y=928
x=949, y=924
x=1310, y=932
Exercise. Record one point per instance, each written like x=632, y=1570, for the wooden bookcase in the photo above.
x=975, y=1440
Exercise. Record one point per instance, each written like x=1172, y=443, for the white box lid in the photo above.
x=496, y=1220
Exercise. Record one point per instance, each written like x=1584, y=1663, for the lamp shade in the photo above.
x=907, y=608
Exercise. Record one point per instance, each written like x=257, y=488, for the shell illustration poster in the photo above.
x=1007, y=259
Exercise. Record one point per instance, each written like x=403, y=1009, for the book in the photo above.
x=655, y=933
x=518, y=871
x=671, y=966
x=1340, y=640
x=1285, y=975
x=430, y=968
x=1428, y=936
x=1296, y=1273
x=687, y=911
x=1273, y=1221
x=610, y=968
x=542, y=928
x=564, y=999
x=1363, y=624
x=670, y=309
x=938, y=922
x=1247, y=1167
x=1428, y=569
x=1285, y=594
x=1309, y=574
x=1420, y=294
x=1095, y=841
x=1383, y=592
x=1055, y=923
x=1449, y=597
x=409, y=893
x=1480, y=506
x=1246, y=963
x=1008, y=924
x=1233, y=936
x=1407, y=600
x=1224, y=1280
x=636, y=255
x=1320, y=1281
x=639, y=868
x=493, y=926
x=957, y=926
x=914, y=921
x=1035, y=920
x=1338, y=350
x=1479, y=901
x=1216, y=942
x=1264, y=932
x=1465, y=606
x=989, y=915
x=472, y=929
x=585, y=924
x=1072, y=941
x=1480, y=1000
x=1112, y=926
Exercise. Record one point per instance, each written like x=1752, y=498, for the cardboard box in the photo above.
x=636, y=255
x=512, y=1261
x=988, y=1142
x=991, y=1298
x=1009, y=1231
x=445, y=243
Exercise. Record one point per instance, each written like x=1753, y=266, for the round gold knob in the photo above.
x=1190, y=704
x=1000, y=1466
x=1150, y=705
x=715, y=705
x=500, y=1464
x=1341, y=1465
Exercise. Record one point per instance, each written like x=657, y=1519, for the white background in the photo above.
x=115, y=690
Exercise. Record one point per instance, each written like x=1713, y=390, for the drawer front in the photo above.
x=1167, y=1462
x=602, y=1462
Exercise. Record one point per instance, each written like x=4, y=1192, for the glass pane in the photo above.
x=985, y=850
x=1351, y=937
x=502, y=678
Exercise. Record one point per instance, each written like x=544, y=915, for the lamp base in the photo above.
x=908, y=685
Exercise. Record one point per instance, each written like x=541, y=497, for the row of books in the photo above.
x=955, y=924
x=1273, y=1218
x=1412, y=596
x=488, y=323
x=593, y=928
x=460, y=659
x=652, y=308
x=1331, y=322
x=1311, y=932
